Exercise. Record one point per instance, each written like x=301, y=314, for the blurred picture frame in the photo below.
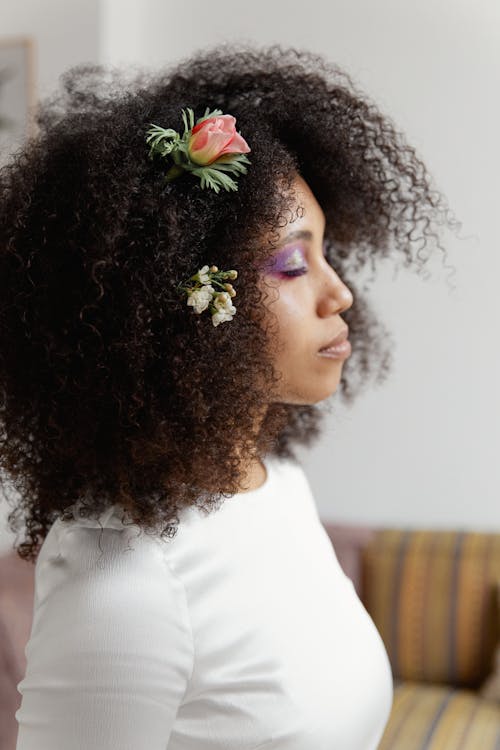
x=17, y=92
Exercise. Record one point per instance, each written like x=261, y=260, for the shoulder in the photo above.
x=290, y=471
x=111, y=647
x=112, y=578
x=284, y=466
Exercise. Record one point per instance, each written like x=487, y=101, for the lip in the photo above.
x=342, y=336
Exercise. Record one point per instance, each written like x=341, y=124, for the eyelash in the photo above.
x=296, y=272
x=302, y=271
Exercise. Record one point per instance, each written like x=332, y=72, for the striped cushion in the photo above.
x=431, y=596
x=491, y=688
x=435, y=717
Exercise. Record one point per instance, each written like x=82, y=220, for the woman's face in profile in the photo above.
x=311, y=298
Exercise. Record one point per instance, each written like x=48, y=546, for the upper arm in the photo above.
x=110, y=652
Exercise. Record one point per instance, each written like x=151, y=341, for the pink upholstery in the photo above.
x=16, y=613
x=348, y=541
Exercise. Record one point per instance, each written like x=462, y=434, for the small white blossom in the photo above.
x=200, y=298
x=221, y=316
x=203, y=275
x=203, y=295
x=222, y=301
x=225, y=309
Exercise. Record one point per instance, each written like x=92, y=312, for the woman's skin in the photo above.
x=308, y=307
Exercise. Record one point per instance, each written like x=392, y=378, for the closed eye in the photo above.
x=295, y=272
x=304, y=269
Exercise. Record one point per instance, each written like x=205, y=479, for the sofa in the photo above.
x=434, y=598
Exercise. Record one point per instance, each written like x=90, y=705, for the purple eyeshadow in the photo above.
x=290, y=259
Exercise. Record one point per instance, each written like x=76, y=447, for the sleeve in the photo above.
x=110, y=653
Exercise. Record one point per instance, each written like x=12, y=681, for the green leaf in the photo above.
x=231, y=158
x=161, y=140
x=214, y=179
x=233, y=167
x=208, y=115
x=158, y=132
x=188, y=120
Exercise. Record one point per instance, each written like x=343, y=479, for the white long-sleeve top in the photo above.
x=240, y=633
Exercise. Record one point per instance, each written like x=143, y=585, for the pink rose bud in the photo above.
x=214, y=137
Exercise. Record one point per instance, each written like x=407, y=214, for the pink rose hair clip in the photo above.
x=209, y=149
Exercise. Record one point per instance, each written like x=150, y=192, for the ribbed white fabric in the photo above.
x=240, y=633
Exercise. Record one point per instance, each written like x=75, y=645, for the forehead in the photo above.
x=303, y=196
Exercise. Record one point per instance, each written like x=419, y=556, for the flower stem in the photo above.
x=173, y=172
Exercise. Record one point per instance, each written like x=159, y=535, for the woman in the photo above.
x=162, y=352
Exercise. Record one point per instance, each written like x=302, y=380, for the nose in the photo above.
x=335, y=296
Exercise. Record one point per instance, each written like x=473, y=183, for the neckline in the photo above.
x=112, y=516
x=269, y=467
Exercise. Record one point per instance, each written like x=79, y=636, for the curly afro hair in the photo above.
x=112, y=390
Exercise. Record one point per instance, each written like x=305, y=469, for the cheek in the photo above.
x=292, y=312
x=289, y=303
x=292, y=329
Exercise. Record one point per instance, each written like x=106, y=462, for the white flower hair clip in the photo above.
x=202, y=294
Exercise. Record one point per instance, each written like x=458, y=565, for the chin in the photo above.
x=309, y=399
x=298, y=395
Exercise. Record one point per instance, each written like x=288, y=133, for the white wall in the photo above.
x=419, y=450
x=66, y=33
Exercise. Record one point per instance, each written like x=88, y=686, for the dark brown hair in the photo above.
x=112, y=389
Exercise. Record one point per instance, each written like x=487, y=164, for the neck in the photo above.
x=254, y=473
x=254, y=477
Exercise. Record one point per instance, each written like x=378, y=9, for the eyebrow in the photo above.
x=299, y=234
